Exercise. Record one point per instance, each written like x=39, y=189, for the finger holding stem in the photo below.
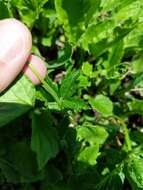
x=36, y=72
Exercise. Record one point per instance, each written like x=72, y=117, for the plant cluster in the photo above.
x=82, y=128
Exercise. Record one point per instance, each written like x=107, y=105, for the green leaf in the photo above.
x=53, y=176
x=21, y=92
x=112, y=181
x=93, y=50
x=129, y=9
x=138, y=80
x=16, y=100
x=102, y=104
x=89, y=155
x=137, y=65
x=114, y=85
x=116, y=54
x=98, y=49
x=68, y=85
x=4, y=12
x=44, y=140
x=97, y=32
x=137, y=136
x=108, y=5
x=87, y=69
x=29, y=10
x=92, y=134
x=75, y=16
x=10, y=111
x=64, y=55
x=134, y=171
x=9, y=172
x=95, y=136
x=83, y=81
x=75, y=104
x=19, y=165
x=136, y=106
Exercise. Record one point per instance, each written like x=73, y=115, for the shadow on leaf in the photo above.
x=10, y=111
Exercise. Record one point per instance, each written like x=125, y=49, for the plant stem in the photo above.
x=46, y=86
x=126, y=133
x=127, y=138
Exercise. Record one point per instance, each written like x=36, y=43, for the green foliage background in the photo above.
x=87, y=131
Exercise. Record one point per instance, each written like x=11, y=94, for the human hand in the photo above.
x=15, y=48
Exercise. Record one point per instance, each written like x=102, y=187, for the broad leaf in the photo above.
x=87, y=69
x=134, y=171
x=112, y=181
x=95, y=136
x=68, y=85
x=44, y=140
x=29, y=10
x=116, y=54
x=102, y=104
x=19, y=165
x=75, y=104
x=16, y=100
x=75, y=15
x=136, y=106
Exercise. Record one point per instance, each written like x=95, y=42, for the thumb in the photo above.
x=15, y=47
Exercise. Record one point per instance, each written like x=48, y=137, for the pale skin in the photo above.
x=15, y=49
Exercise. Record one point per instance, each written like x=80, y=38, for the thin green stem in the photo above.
x=127, y=138
x=126, y=133
x=46, y=86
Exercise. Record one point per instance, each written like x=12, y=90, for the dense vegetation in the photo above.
x=82, y=128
